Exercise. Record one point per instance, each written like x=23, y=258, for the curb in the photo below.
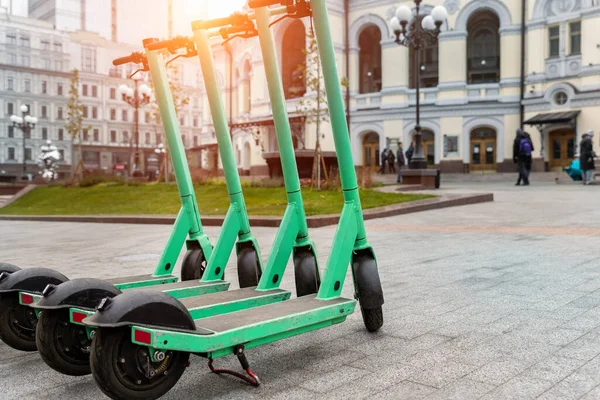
x=19, y=194
x=444, y=201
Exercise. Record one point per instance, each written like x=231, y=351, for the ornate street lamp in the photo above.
x=137, y=97
x=411, y=34
x=26, y=124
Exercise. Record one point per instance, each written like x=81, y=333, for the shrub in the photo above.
x=94, y=179
x=365, y=177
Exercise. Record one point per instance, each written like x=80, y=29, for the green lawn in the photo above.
x=163, y=199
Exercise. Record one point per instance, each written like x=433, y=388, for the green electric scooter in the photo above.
x=122, y=336
x=64, y=343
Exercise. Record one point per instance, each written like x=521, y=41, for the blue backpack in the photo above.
x=525, y=147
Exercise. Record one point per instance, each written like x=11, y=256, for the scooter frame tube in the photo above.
x=236, y=224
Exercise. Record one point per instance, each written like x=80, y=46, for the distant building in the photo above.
x=34, y=70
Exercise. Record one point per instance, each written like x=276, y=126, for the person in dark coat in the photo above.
x=391, y=159
x=401, y=162
x=586, y=157
x=410, y=152
x=522, y=150
x=383, y=161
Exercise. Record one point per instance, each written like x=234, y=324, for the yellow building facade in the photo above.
x=471, y=80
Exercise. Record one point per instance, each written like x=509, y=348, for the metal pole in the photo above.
x=136, y=106
x=522, y=83
x=24, y=130
x=418, y=160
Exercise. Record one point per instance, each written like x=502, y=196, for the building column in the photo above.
x=453, y=67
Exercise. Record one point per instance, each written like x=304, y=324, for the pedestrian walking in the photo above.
x=522, y=148
x=383, y=161
x=401, y=162
x=410, y=152
x=586, y=157
x=391, y=159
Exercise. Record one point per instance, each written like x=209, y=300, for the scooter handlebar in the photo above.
x=176, y=43
x=134, y=57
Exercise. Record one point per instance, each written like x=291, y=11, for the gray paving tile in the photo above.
x=462, y=389
x=405, y=390
x=440, y=375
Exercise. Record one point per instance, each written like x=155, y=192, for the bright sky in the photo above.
x=215, y=8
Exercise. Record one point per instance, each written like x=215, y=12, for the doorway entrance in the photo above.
x=428, y=143
x=483, y=149
x=562, y=148
x=371, y=151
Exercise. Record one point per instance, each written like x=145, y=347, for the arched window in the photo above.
x=293, y=56
x=428, y=64
x=483, y=48
x=369, y=58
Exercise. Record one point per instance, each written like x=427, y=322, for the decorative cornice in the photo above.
x=510, y=30
x=452, y=35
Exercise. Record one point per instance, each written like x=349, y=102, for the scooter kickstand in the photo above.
x=252, y=379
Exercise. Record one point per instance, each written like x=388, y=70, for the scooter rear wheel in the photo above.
x=193, y=266
x=249, y=272
x=64, y=346
x=123, y=369
x=17, y=324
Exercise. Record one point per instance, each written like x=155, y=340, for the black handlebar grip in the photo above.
x=262, y=3
x=123, y=60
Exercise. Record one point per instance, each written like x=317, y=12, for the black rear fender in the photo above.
x=10, y=268
x=32, y=280
x=79, y=293
x=144, y=308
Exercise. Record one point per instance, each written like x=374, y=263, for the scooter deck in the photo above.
x=232, y=301
x=217, y=336
x=129, y=282
x=211, y=304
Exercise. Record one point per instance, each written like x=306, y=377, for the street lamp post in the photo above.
x=137, y=97
x=411, y=34
x=162, y=165
x=25, y=123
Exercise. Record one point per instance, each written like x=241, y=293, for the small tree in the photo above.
x=74, y=124
x=180, y=100
x=314, y=107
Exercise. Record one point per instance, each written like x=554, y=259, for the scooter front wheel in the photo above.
x=249, y=272
x=17, y=324
x=372, y=318
x=124, y=370
x=193, y=266
x=64, y=346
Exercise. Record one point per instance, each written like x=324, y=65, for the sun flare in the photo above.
x=214, y=8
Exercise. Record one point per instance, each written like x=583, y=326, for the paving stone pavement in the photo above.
x=495, y=301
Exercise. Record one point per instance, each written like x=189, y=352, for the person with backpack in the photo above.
x=522, y=149
x=586, y=157
x=401, y=162
x=525, y=149
x=391, y=159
